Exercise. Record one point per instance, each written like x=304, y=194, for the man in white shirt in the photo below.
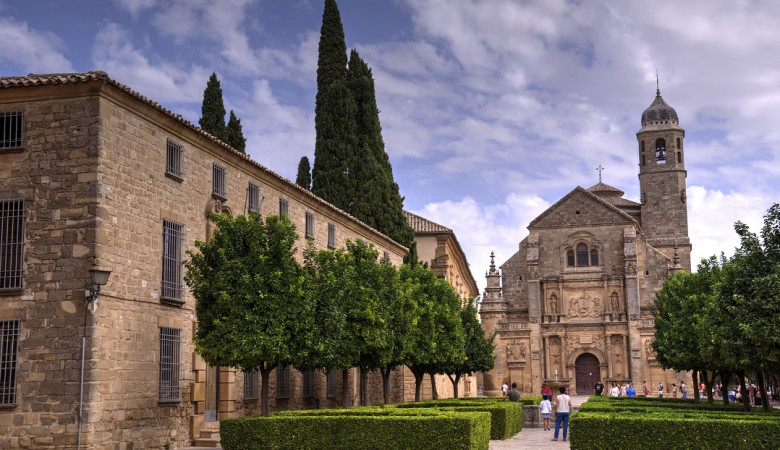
x=562, y=410
x=504, y=390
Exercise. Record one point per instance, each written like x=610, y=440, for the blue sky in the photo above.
x=491, y=110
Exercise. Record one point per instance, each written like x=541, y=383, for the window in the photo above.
x=283, y=381
x=11, y=243
x=170, y=364
x=333, y=383
x=331, y=236
x=219, y=182
x=386, y=255
x=309, y=224
x=643, y=145
x=11, y=129
x=643, y=159
x=308, y=383
x=594, y=258
x=679, y=157
x=284, y=207
x=678, y=143
x=660, y=151
x=254, y=197
x=570, y=258
x=173, y=245
x=251, y=382
x=582, y=255
x=173, y=160
x=9, y=345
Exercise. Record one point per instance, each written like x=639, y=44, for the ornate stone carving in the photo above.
x=515, y=351
x=584, y=306
x=630, y=268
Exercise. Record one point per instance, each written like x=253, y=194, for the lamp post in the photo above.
x=99, y=278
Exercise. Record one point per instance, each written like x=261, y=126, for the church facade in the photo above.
x=574, y=304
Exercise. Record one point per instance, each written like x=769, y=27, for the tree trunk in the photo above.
x=455, y=382
x=744, y=391
x=762, y=388
x=265, y=372
x=345, y=388
x=725, y=377
x=708, y=380
x=434, y=391
x=363, y=387
x=696, y=393
x=386, y=371
x=418, y=379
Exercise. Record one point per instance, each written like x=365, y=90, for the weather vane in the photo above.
x=599, y=169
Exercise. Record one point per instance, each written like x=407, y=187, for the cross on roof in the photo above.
x=599, y=169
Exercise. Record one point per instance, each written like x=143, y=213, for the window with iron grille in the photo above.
x=283, y=381
x=9, y=346
x=11, y=125
x=170, y=364
x=219, y=182
x=331, y=236
x=284, y=207
x=173, y=246
x=309, y=224
x=308, y=383
x=333, y=383
x=173, y=159
x=251, y=382
x=386, y=255
x=12, y=215
x=254, y=197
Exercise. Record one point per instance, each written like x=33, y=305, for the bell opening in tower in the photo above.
x=660, y=151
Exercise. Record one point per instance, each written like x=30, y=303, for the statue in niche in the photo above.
x=554, y=304
x=522, y=351
x=615, y=302
x=649, y=347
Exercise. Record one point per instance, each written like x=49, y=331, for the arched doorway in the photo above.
x=586, y=373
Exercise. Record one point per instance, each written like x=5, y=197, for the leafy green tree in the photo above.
x=478, y=348
x=234, y=134
x=377, y=200
x=334, y=115
x=212, y=114
x=303, y=179
x=251, y=309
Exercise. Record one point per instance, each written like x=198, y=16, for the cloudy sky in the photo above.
x=491, y=110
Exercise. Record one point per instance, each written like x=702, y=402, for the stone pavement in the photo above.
x=536, y=438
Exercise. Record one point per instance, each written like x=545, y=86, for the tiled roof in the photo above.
x=101, y=76
x=423, y=225
x=601, y=188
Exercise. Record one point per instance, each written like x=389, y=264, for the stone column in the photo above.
x=608, y=344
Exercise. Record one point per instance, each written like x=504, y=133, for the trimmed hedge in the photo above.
x=356, y=429
x=669, y=424
x=506, y=417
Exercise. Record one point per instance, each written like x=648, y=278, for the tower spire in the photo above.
x=657, y=84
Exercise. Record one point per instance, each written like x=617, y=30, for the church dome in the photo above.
x=659, y=112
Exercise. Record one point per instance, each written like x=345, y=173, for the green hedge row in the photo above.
x=355, y=429
x=671, y=431
x=506, y=417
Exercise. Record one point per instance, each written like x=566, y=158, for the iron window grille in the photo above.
x=170, y=364
x=9, y=351
x=251, y=382
x=254, y=197
x=12, y=218
x=308, y=383
x=11, y=126
x=331, y=236
x=173, y=245
x=309, y=224
x=284, y=207
x=332, y=381
x=283, y=381
x=219, y=182
x=173, y=154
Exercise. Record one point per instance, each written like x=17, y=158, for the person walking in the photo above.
x=614, y=391
x=562, y=410
x=683, y=390
x=660, y=389
x=545, y=408
x=599, y=388
x=504, y=390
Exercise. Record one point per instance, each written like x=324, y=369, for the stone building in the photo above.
x=573, y=304
x=438, y=246
x=93, y=175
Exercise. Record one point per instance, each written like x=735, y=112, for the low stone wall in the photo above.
x=532, y=418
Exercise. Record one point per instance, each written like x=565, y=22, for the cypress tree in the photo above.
x=234, y=133
x=334, y=114
x=377, y=200
x=212, y=112
x=304, y=174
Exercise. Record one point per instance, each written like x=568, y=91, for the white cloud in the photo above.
x=134, y=7
x=153, y=76
x=31, y=50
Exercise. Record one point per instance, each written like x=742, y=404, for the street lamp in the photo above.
x=99, y=278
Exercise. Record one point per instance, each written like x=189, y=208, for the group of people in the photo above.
x=628, y=390
x=561, y=404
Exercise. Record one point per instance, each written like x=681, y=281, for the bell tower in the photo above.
x=662, y=181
